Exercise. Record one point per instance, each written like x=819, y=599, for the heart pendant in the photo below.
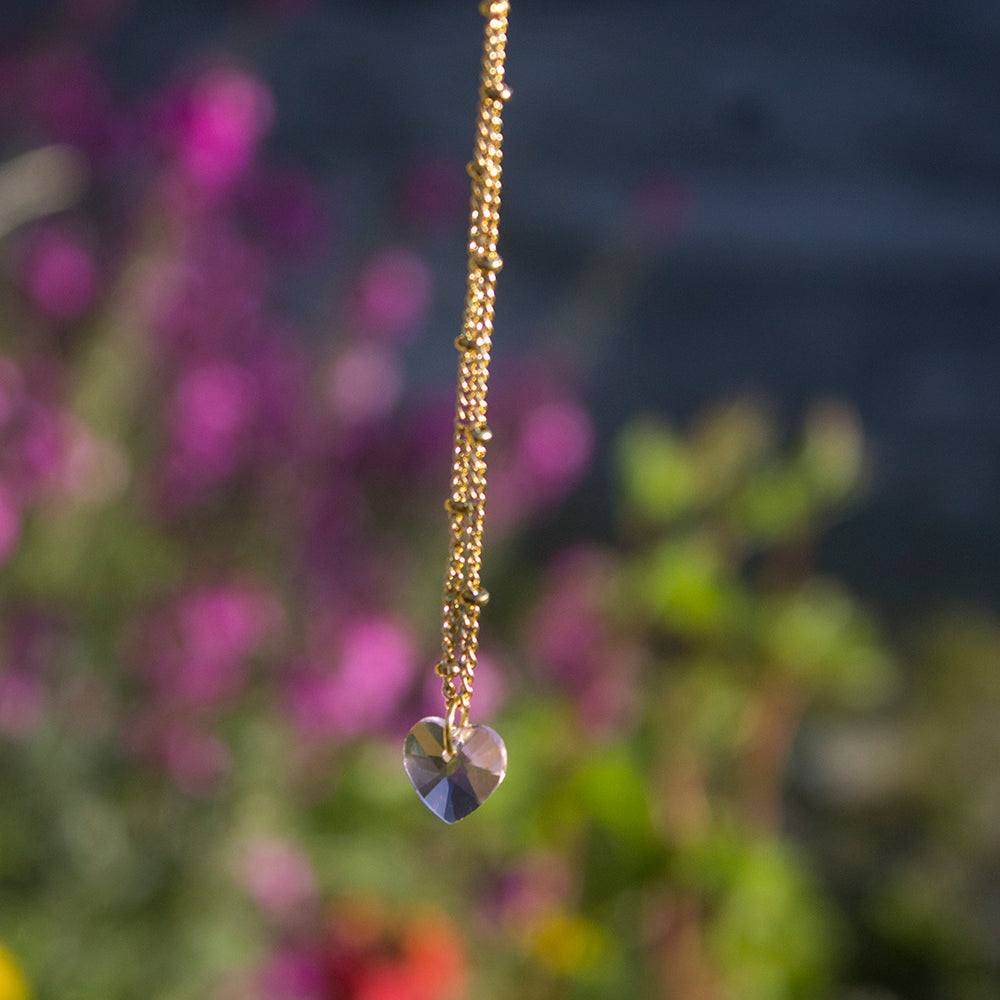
x=454, y=785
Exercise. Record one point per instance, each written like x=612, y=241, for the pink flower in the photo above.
x=42, y=447
x=371, y=673
x=60, y=274
x=290, y=211
x=198, y=761
x=211, y=410
x=278, y=877
x=218, y=130
x=196, y=652
x=556, y=442
x=542, y=444
x=227, y=622
x=393, y=295
x=212, y=302
x=66, y=98
x=570, y=633
x=22, y=702
x=531, y=888
x=364, y=383
x=10, y=524
x=294, y=975
x=36, y=439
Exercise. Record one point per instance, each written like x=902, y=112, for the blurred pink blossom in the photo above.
x=35, y=441
x=556, y=442
x=94, y=469
x=226, y=622
x=60, y=274
x=362, y=688
x=575, y=643
x=211, y=410
x=364, y=383
x=393, y=295
x=278, y=877
x=197, y=760
x=22, y=702
x=216, y=127
x=294, y=974
x=196, y=651
x=11, y=388
x=290, y=211
x=543, y=440
x=533, y=887
x=41, y=448
x=10, y=524
x=62, y=94
x=211, y=302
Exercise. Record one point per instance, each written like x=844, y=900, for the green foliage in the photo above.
x=645, y=857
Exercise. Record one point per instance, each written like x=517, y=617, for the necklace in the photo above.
x=455, y=766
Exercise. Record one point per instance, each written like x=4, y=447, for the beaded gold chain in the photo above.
x=464, y=595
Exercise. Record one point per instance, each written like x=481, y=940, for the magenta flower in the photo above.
x=363, y=686
x=278, y=877
x=196, y=652
x=218, y=127
x=543, y=442
x=211, y=411
x=364, y=383
x=60, y=274
x=557, y=439
x=531, y=888
x=227, y=622
x=571, y=636
x=22, y=702
x=294, y=974
x=289, y=211
x=31, y=644
x=65, y=98
x=198, y=761
x=10, y=524
x=211, y=302
x=41, y=446
x=35, y=442
x=93, y=469
x=393, y=295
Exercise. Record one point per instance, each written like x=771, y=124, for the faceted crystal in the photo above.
x=454, y=785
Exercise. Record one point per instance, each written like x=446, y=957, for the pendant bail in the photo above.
x=449, y=723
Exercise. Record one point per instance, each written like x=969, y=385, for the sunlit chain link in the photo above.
x=464, y=595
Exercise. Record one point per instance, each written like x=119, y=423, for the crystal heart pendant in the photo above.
x=452, y=785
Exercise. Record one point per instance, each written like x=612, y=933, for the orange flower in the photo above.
x=374, y=955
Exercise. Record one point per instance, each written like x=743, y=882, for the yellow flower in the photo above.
x=566, y=943
x=12, y=984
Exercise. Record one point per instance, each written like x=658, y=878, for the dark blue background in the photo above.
x=841, y=233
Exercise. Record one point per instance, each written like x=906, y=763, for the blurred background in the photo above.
x=742, y=533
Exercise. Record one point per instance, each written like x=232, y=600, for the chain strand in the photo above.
x=464, y=595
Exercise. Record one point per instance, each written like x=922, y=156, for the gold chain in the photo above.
x=464, y=595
